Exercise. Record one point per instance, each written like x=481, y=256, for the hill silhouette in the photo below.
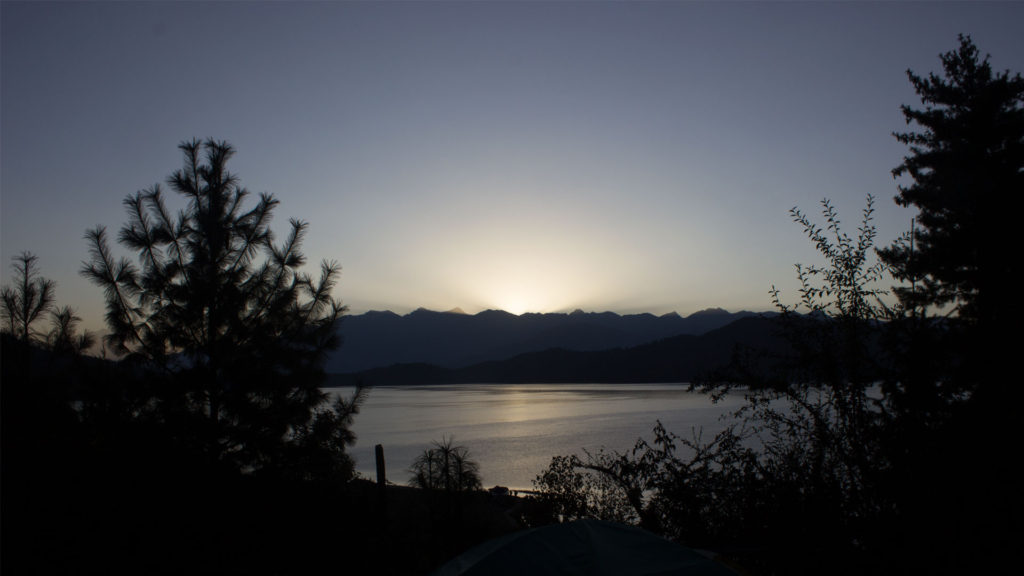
x=455, y=339
x=679, y=358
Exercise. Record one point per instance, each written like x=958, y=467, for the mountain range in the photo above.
x=454, y=340
x=681, y=358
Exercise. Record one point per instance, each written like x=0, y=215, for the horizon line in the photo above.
x=458, y=310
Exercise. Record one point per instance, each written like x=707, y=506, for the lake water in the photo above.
x=513, y=430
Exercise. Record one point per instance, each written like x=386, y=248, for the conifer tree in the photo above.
x=27, y=299
x=25, y=302
x=226, y=319
x=952, y=391
x=966, y=165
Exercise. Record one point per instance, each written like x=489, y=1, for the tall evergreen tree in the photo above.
x=966, y=165
x=226, y=318
x=966, y=170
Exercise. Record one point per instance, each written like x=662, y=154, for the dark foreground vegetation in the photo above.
x=201, y=440
x=883, y=438
x=126, y=499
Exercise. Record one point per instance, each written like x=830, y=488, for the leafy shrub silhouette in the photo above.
x=446, y=467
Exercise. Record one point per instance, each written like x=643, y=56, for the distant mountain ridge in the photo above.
x=454, y=339
x=681, y=358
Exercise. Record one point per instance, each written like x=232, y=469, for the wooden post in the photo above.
x=382, y=480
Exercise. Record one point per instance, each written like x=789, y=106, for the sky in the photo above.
x=526, y=156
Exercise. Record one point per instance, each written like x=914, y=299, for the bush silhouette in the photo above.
x=446, y=467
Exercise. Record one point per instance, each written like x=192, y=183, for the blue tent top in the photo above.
x=591, y=547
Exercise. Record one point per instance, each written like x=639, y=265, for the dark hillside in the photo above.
x=455, y=340
x=676, y=359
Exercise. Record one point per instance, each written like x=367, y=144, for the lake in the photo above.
x=513, y=430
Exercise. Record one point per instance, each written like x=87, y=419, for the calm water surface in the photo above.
x=513, y=430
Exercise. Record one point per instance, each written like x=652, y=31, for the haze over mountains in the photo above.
x=455, y=340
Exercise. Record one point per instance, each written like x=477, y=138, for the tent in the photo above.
x=591, y=547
